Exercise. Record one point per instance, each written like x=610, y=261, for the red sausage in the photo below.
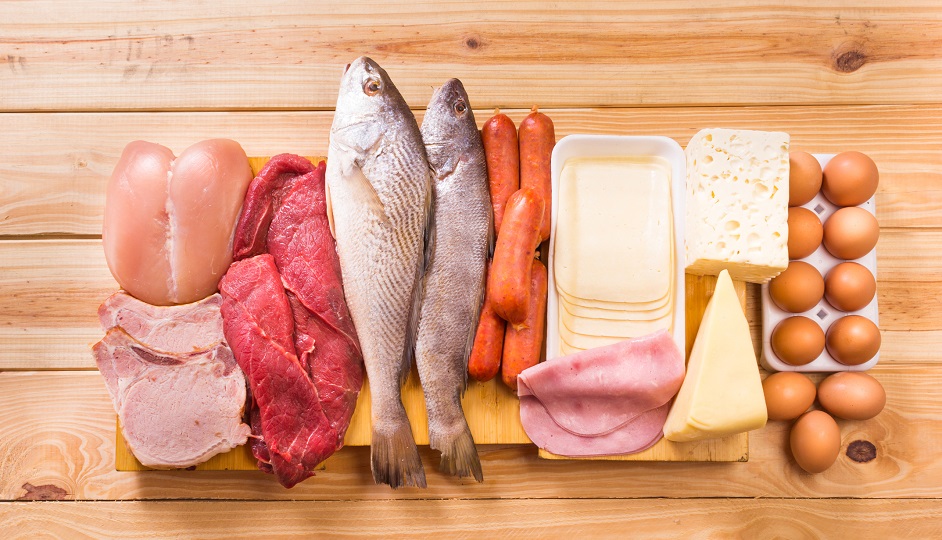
x=522, y=346
x=484, y=362
x=537, y=139
x=509, y=280
x=499, y=135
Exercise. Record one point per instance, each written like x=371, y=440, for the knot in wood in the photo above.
x=850, y=61
x=862, y=451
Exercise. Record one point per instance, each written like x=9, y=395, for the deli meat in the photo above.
x=173, y=380
x=605, y=401
x=286, y=317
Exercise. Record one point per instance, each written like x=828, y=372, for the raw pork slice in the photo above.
x=605, y=401
x=176, y=409
x=183, y=328
x=286, y=317
x=169, y=221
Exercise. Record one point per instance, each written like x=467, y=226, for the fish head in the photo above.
x=449, y=129
x=368, y=105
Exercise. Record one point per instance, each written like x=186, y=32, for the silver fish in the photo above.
x=454, y=279
x=379, y=184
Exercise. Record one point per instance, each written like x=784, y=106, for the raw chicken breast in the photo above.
x=168, y=221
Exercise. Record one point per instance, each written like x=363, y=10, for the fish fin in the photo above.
x=418, y=293
x=365, y=194
x=395, y=457
x=330, y=211
x=475, y=320
x=460, y=456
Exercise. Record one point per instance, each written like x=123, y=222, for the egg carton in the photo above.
x=823, y=313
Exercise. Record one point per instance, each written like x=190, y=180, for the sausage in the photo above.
x=523, y=345
x=537, y=138
x=499, y=135
x=509, y=280
x=484, y=362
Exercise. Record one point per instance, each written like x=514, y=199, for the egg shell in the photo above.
x=787, y=395
x=815, y=441
x=799, y=288
x=805, y=232
x=804, y=177
x=850, y=178
x=797, y=340
x=851, y=233
x=852, y=396
x=853, y=340
x=849, y=286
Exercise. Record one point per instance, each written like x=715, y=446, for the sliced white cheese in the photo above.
x=613, y=233
x=722, y=391
x=737, y=203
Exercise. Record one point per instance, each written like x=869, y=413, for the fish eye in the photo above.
x=372, y=87
x=460, y=106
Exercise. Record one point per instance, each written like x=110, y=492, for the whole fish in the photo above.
x=454, y=279
x=379, y=183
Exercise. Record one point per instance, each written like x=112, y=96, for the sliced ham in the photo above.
x=605, y=401
x=169, y=221
x=176, y=409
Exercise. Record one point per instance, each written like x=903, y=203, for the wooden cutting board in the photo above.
x=493, y=411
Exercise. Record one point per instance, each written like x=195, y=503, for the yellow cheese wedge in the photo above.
x=722, y=392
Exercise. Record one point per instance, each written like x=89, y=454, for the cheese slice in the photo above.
x=722, y=391
x=737, y=203
x=613, y=232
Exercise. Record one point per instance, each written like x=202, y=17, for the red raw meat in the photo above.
x=298, y=322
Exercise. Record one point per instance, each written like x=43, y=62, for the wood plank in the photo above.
x=59, y=431
x=172, y=55
x=54, y=180
x=645, y=518
x=54, y=287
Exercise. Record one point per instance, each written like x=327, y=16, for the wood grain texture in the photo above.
x=59, y=432
x=52, y=290
x=54, y=180
x=653, y=519
x=112, y=55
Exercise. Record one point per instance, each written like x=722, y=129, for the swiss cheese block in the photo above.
x=737, y=204
x=722, y=391
x=613, y=232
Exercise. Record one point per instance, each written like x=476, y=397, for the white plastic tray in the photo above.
x=823, y=313
x=621, y=146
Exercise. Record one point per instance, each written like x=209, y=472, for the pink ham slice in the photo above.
x=605, y=401
x=168, y=222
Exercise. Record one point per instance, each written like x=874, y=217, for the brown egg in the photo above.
x=850, y=233
x=805, y=232
x=852, y=396
x=797, y=340
x=815, y=441
x=850, y=178
x=804, y=178
x=852, y=340
x=787, y=395
x=798, y=288
x=849, y=286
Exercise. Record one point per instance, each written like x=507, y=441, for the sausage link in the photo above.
x=523, y=345
x=499, y=135
x=537, y=138
x=484, y=362
x=509, y=280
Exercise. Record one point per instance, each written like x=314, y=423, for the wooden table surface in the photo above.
x=83, y=78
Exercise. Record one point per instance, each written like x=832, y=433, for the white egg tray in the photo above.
x=573, y=146
x=823, y=313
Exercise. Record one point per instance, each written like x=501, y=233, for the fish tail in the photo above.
x=459, y=455
x=395, y=457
